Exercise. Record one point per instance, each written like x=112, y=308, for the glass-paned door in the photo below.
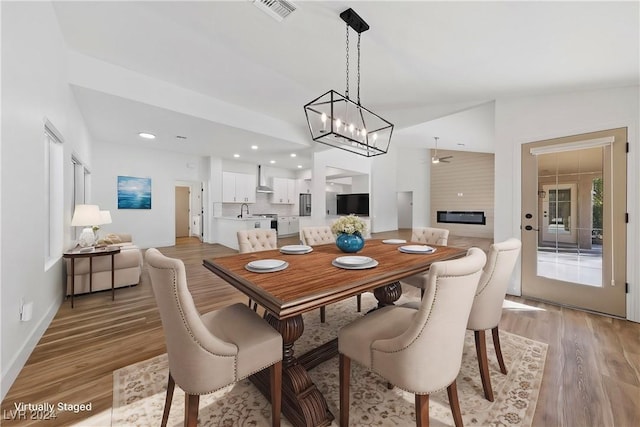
x=573, y=230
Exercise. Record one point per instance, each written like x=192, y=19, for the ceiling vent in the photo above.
x=277, y=9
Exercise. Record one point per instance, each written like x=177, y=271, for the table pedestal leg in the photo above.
x=388, y=294
x=302, y=402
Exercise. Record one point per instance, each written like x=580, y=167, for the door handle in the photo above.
x=529, y=228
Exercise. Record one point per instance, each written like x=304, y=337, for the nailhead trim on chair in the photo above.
x=186, y=325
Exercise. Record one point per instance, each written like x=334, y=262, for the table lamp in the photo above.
x=106, y=219
x=86, y=216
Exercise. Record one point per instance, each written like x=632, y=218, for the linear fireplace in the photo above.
x=462, y=217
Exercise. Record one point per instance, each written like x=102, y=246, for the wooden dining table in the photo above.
x=309, y=282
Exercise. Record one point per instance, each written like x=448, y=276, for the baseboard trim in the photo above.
x=20, y=359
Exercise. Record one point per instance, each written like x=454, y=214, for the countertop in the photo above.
x=246, y=218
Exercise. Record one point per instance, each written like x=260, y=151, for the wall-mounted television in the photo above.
x=357, y=204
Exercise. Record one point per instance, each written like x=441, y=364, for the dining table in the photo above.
x=308, y=281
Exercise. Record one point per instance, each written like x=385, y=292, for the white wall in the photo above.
x=413, y=174
x=34, y=87
x=149, y=227
x=384, y=187
x=523, y=120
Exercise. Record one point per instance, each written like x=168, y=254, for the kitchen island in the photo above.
x=225, y=228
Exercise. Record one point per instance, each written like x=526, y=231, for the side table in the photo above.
x=90, y=253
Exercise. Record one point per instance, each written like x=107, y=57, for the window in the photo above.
x=53, y=194
x=79, y=195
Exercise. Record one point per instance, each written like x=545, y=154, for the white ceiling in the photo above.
x=421, y=61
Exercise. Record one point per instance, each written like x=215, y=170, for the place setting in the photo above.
x=266, y=265
x=355, y=262
x=394, y=241
x=417, y=249
x=296, y=249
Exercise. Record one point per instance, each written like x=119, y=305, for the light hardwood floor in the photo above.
x=592, y=372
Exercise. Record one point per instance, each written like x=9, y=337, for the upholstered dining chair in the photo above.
x=254, y=240
x=210, y=351
x=419, y=351
x=487, y=305
x=427, y=236
x=257, y=239
x=320, y=235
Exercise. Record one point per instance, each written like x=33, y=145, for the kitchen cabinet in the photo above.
x=284, y=191
x=288, y=225
x=238, y=187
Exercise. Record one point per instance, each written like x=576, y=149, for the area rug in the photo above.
x=139, y=389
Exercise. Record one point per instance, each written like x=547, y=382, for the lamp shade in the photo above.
x=86, y=216
x=106, y=217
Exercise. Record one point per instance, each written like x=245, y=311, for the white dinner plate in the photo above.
x=394, y=241
x=417, y=249
x=266, y=264
x=369, y=264
x=353, y=260
x=267, y=270
x=296, y=249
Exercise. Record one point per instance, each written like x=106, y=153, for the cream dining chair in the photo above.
x=210, y=351
x=255, y=240
x=320, y=235
x=487, y=305
x=419, y=351
x=427, y=236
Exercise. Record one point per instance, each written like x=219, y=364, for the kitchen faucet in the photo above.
x=241, y=206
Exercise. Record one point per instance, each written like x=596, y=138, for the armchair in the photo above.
x=210, y=351
x=419, y=351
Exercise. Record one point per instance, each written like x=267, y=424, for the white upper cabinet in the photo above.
x=238, y=187
x=284, y=191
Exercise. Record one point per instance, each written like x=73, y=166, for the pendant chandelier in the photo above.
x=336, y=120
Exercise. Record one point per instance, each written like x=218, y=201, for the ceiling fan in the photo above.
x=435, y=159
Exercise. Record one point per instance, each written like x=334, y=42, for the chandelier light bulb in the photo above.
x=323, y=117
x=338, y=123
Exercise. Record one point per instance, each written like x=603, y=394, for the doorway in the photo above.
x=573, y=226
x=182, y=211
x=405, y=209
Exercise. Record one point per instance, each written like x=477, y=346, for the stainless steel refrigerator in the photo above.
x=305, y=204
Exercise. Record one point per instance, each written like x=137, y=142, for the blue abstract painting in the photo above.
x=134, y=193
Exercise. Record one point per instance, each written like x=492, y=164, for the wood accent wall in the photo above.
x=471, y=174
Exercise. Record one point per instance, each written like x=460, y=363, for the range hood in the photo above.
x=262, y=187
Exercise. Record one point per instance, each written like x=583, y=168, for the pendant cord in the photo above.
x=358, y=68
x=347, y=91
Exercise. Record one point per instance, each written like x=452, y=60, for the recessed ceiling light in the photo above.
x=146, y=135
x=254, y=147
x=236, y=155
x=272, y=161
x=293, y=154
x=299, y=166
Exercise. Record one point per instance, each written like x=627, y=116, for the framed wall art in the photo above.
x=134, y=193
